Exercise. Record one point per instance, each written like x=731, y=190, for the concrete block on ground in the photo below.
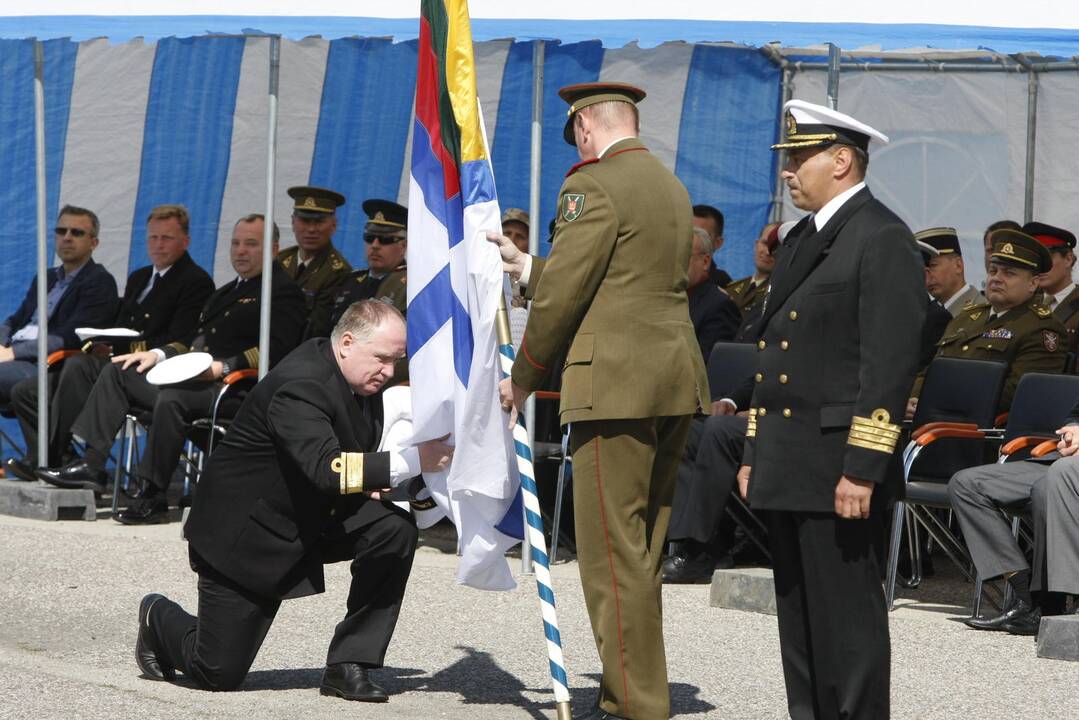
x=38, y=501
x=750, y=589
x=1058, y=637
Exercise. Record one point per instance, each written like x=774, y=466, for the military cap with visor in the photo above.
x=809, y=125
x=1018, y=249
x=937, y=241
x=582, y=95
x=1053, y=238
x=314, y=202
x=385, y=217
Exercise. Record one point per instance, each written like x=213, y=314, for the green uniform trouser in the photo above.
x=623, y=484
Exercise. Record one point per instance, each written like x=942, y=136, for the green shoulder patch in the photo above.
x=572, y=206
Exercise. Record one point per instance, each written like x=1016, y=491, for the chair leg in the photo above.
x=560, y=489
x=893, y=554
x=976, y=603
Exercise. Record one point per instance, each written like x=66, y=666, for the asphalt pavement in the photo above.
x=69, y=593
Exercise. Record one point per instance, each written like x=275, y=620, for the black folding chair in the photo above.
x=958, y=401
x=729, y=365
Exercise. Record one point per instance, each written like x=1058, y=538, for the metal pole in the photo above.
x=539, y=48
x=833, y=76
x=786, y=91
x=1032, y=129
x=267, y=231
x=42, y=261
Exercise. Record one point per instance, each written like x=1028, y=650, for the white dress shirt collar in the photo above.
x=822, y=216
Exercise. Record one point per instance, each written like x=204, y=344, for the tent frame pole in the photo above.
x=1032, y=133
x=42, y=260
x=535, y=163
x=268, y=223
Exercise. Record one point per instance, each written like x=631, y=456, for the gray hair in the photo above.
x=362, y=318
x=83, y=212
x=702, y=235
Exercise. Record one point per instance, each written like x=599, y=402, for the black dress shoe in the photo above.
x=78, y=475
x=1016, y=609
x=350, y=681
x=1025, y=624
x=147, y=510
x=16, y=469
x=600, y=714
x=146, y=644
x=681, y=570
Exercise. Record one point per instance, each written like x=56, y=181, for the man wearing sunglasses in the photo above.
x=80, y=293
x=385, y=238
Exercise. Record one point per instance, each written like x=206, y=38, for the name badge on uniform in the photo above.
x=998, y=334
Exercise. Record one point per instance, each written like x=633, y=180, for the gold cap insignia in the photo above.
x=309, y=202
x=379, y=217
x=792, y=125
x=1007, y=249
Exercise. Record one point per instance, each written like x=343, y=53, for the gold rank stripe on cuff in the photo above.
x=874, y=434
x=751, y=431
x=349, y=465
x=252, y=356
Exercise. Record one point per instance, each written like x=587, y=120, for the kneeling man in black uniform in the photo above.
x=293, y=486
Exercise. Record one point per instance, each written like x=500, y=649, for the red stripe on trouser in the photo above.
x=614, y=581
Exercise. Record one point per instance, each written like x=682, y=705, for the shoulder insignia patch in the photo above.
x=287, y=261
x=336, y=263
x=975, y=315
x=1050, y=340
x=1042, y=311
x=572, y=206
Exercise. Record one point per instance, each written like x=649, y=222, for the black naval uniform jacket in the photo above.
x=270, y=488
x=90, y=300
x=171, y=309
x=838, y=350
x=714, y=315
x=228, y=327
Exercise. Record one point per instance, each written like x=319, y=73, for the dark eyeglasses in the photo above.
x=60, y=231
x=381, y=239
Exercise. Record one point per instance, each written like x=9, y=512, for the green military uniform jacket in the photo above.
x=967, y=299
x=325, y=271
x=1027, y=338
x=613, y=290
x=1067, y=312
x=745, y=294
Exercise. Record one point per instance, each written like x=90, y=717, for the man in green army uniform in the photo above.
x=1058, y=291
x=613, y=290
x=749, y=290
x=314, y=263
x=1011, y=327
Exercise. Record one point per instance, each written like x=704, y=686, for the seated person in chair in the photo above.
x=162, y=302
x=80, y=293
x=1049, y=489
x=714, y=315
x=1012, y=327
x=229, y=330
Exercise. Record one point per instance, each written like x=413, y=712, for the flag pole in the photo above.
x=534, y=530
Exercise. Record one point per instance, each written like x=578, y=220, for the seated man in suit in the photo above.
x=294, y=485
x=1049, y=489
x=228, y=328
x=714, y=315
x=81, y=293
x=162, y=302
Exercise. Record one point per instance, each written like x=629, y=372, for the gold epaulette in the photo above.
x=349, y=465
x=874, y=433
x=751, y=431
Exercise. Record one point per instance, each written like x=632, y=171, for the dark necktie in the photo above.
x=300, y=271
x=154, y=279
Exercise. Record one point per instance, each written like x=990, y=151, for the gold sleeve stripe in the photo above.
x=874, y=433
x=349, y=466
x=178, y=346
x=751, y=431
x=138, y=346
x=252, y=355
x=887, y=449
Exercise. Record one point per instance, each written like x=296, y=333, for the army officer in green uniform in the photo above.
x=314, y=263
x=748, y=291
x=1011, y=327
x=613, y=291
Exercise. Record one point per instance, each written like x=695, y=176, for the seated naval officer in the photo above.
x=228, y=330
x=945, y=272
x=1011, y=327
x=313, y=262
x=161, y=302
x=288, y=490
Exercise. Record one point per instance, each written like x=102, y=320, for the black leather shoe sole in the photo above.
x=145, y=650
x=154, y=518
x=51, y=478
x=375, y=695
